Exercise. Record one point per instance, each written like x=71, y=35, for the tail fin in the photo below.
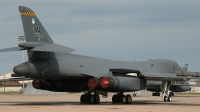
x=33, y=29
x=185, y=67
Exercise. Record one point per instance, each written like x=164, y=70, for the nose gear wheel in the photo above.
x=165, y=91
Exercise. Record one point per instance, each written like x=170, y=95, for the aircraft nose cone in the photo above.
x=22, y=69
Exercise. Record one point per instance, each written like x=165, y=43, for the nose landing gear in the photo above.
x=165, y=91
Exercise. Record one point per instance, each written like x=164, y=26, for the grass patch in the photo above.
x=10, y=92
x=188, y=93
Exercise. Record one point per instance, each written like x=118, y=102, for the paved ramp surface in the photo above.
x=70, y=103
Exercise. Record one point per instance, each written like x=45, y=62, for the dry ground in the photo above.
x=70, y=103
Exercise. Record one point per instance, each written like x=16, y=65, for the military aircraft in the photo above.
x=181, y=86
x=54, y=67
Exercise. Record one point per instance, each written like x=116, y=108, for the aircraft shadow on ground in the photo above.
x=102, y=103
x=187, y=96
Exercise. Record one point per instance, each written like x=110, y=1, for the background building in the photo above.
x=11, y=86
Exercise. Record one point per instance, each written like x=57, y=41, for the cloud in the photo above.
x=113, y=29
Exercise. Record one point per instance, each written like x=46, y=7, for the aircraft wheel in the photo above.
x=123, y=99
x=83, y=98
x=128, y=99
x=114, y=98
x=169, y=99
x=165, y=98
x=92, y=99
x=97, y=99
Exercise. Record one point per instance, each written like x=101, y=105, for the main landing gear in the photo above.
x=121, y=98
x=90, y=98
x=95, y=99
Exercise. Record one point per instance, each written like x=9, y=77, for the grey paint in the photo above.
x=34, y=32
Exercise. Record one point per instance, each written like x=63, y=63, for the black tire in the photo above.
x=83, y=98
x=114, y=99
x=128, y=99
x=165, y=98
x=123, y=99
x=169, y=99
x=92, y=99
x=97, y=99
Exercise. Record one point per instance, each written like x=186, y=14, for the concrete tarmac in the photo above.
x=70, y=103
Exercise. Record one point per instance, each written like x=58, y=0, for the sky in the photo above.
x=127, y=30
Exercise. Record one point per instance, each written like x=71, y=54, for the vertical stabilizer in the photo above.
x=33, y=29
x=185, y=67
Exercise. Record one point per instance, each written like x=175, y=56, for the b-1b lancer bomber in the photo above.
x=54, y=67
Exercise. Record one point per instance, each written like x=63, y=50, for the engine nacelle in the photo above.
x=123, y=84
x=60, y=85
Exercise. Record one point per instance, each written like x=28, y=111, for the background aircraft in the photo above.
x=181, y=86
x=53, y=67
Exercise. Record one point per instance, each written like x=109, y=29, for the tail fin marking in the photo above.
x=33, y=29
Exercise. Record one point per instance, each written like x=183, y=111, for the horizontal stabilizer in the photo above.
x=15, y=79
x=45, y=47
x=51, y=47
x=11, y=49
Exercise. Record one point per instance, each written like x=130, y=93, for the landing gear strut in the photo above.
x=165, y=91
x=121, y=98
